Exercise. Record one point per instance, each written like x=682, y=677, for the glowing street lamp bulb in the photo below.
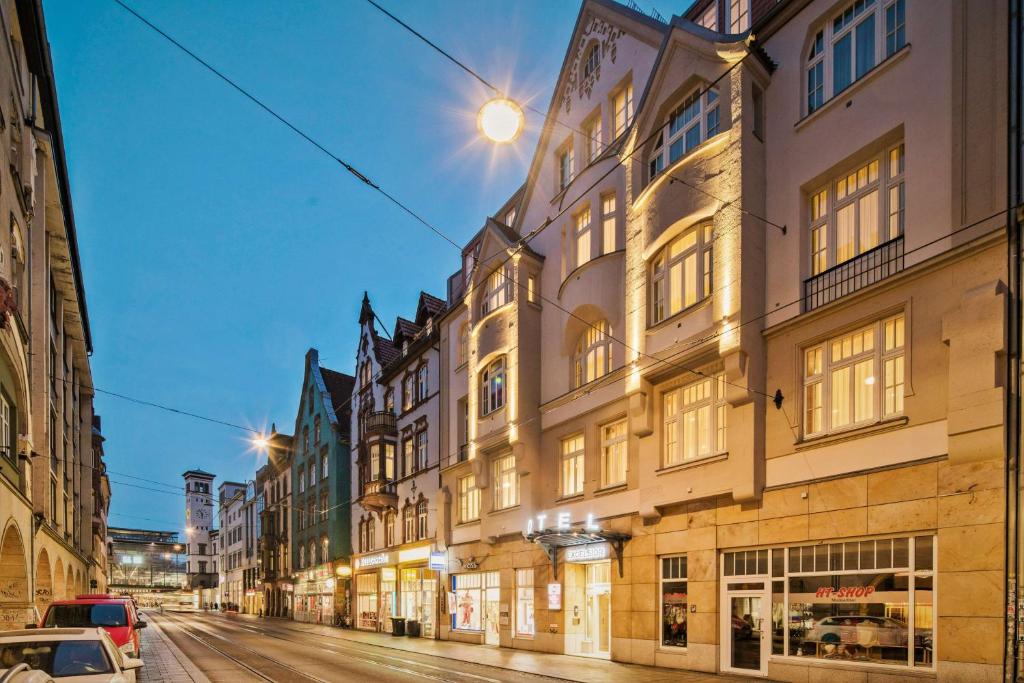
x=500, y=120
x=260, y=442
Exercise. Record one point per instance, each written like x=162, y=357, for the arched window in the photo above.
x=492, y=387
x=410, y=523
x=302, y=557
x=312, y=553
x=497, y=290
x=421, y=519
x=371, y=533
x=389, y=400
x=695, y=120
x=681, y=273
x=592, y=61
x=593, y=356
x=389, y=528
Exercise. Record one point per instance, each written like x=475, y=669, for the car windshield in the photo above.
x=58, y=657
x=84, y=616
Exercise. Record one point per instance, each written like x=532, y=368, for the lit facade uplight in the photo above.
x=500, y=120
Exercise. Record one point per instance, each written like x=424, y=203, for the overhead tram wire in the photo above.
x=524, y=241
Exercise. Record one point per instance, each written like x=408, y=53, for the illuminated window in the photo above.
x=608, y=216
x=614, y=453
x=572, y=465
x=525, y=626
x=592, y=132
x=738, y=15
x=497, y=290
x=506, y=482
x=691, y=123
x=469, y=499
x=581, y=232
x=622, y=109
x=492, y=387
x=592, y=61
x=593, y=356
x=681, y=273
x=695, y=420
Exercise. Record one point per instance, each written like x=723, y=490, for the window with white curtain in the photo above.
x=694, y=420
x=856, y=378
x=506, y=482
x=858, y=210
x=593, y=356
x=492, y=387
x=572, y=465
x=681, y=273
x=694, y=121
x=851, y=43
x=614, y=453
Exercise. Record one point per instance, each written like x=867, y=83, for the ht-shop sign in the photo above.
x=846, y=593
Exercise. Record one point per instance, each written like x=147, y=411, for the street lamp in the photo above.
x=500, y=120
x=260, y=442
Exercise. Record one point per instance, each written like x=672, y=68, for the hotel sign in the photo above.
x=562, y=521
x=587, y=553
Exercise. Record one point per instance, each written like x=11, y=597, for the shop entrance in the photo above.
x=588, y=600
x=745, y=624
x=492, y=594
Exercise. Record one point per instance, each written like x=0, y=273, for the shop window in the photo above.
x=469, y=499
x=614, y=453
x=506, y=482
x=475, y=594
x=525, y=627
x=366, y=601
x=681, y=273
x=695, y=420
x=673, y=601
x=572, y=465
x=841, y=378
x=418, y=588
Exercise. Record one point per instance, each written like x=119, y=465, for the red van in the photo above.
x=116, y=614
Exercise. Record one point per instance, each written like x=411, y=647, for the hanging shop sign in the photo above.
x=439, y=560
x=368, y=561
x=414, y=554
x=554, y=596
x=587, y=553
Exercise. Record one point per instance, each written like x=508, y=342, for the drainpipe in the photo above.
x=1013, y=664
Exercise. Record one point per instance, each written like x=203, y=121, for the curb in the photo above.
x=187, y=664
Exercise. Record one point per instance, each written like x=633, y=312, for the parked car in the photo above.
x=88, y=655
x=741, y=629
x=860, y=629
x=115, y=614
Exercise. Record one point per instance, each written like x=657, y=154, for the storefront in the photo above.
x=397, y=584
x=313, y=595
x=587, y=596
x=867, y=602
x=477, y=604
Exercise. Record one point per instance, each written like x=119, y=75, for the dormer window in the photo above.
x=497, y=290
x=694, y=121
x=405, y=347
x=593, y=60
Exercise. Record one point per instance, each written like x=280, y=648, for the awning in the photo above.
x=551, y=541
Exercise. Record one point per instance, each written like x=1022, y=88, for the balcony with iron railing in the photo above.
x=380, y=423
x=850, y=276
x=378, y=494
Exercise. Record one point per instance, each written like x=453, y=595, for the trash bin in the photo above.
x=398, y=626
x=413, y=629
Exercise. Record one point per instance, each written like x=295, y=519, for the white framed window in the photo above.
x=593, y=356
x=592, y=61
x=592, y=131
x=323, y=465
x=739, y=15
x=842, y=384
x=469, y=499
x=389, y=528
x=581, y=236
x=673, y=601
x=408, y=456
x=312, y=474
x=858, y=210
x=694, y=121
x=622, y=109
x=389, y=461
x=566, y=165
x=421, y=449
x=525, y=626
x=681, y=273
x=421, y=519
x=371, y=534
x=614, y=453
x=506, y=482
x=510, y=216
x=531, y=289
x=492, y=387
x=709, y=17
x=407, y=393
x=497, y=290
x=5, y=427
x=572, y=465
x=422, y=386
x=850, y=44
x=462, y=353
x=409, y=517
x=608, y=219
x=695, y=420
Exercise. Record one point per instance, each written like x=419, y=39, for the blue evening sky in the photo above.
x=217, y=246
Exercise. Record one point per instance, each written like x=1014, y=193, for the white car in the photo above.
x=83, y=655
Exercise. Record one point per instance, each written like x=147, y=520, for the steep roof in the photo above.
x=339, y=386
x=405, y=330
x=428, y=306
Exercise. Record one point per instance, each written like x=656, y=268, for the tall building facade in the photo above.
x=48, y=545
x=275, y=526
x=396, y=493
x=199, y=524
x=722, y=384
x=321, y=480
x=231, y=539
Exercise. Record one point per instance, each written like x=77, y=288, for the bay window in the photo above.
x=694, y=420
x=853, y=42
x=497, y=290
x=492, y=387
x=691, y=123
x=858, y=211
x=506, y=482
x=614, y=453
x=681, y=273
x=572, y=465
x=841, y=378
x=739, y=15
x=593, y=356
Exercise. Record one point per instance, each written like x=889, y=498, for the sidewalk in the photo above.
x=566, y=667
x=164, y=662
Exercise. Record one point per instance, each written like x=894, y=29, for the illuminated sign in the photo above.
x=844, y=593
x=388, y=574
x=439, y=561
x=371, y=561
x=554, y=596
x=563, y=522
x=586, y=553
x=414, y=554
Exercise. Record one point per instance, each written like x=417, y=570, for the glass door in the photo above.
x=492, y=595
x=744, y=630
x=598, y=614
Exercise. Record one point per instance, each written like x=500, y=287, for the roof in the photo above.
x=339, y=386
x=29, y=634
x=384, y=350
x=405, y=330
x=428, y=307
x=198, y=473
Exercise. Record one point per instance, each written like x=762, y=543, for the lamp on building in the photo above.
x=500, y=120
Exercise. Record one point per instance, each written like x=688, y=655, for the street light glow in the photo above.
x=260, y=442
x=500, y=120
